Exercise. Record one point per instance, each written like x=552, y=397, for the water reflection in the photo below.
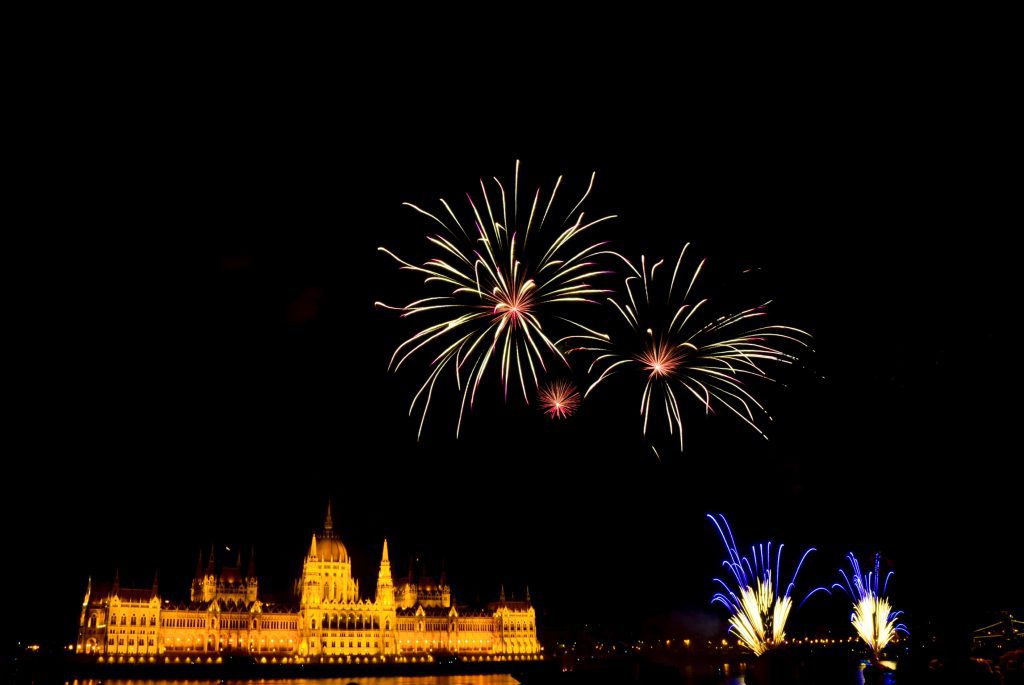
x=489, y=679
x=733, y=674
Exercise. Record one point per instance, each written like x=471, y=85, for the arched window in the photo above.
x=152, y=620
x=124, y=617
x=92, y=620
x=133, y=619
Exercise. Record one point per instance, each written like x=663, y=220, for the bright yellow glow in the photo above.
x=871, y=619
x=762, y=622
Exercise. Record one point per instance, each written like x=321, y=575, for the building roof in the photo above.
x=129, y=594
x=514, y=605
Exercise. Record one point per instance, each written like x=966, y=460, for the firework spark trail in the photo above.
x=758, y=611
x=873, y=617
x=498, y=284
x=679, y=352
x=559, y=399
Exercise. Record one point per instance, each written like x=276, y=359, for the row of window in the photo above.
x=227, y=623
x=131, y=641
x=124, y=617
x=359, y=644
x=475, y=624
x=354, y=622
x=514, y=627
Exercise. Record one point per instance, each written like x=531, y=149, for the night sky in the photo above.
x=199, y=360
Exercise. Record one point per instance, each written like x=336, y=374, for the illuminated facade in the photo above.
x=330, y=620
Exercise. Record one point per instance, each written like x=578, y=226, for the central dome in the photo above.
x=330, y=548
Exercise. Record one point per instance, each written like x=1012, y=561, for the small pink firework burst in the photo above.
x=559, y=399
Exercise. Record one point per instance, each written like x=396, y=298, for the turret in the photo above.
x=197, y=581
x=385, y=585
x=446, y=591
x=251, y=584
x=209, y=584
x=85, y=602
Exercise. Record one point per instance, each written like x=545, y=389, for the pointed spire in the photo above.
x=527, y=594
x=117, y=580
x=411, y=574
x=211, y=567
x=502, y=597
x=199, y=565
x=328, y=522
x=384, y=557
x=156, y=582
x=312, y=546
x=251, y=573
x=238, y=564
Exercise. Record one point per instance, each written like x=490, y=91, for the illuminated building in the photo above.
x=329, y=619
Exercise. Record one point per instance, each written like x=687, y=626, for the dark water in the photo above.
x=854, y=676
x=491, y=679
x=724, y=678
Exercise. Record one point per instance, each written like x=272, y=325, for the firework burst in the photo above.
x=681, y=351
x=873, y=617
x=559, y=399
x=758, y=610
x=493, y=289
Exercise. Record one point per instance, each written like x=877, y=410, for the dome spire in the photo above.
x=328, y=522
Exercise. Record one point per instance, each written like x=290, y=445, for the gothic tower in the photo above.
x=385, y=585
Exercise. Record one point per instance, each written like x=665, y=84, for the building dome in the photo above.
x=330, y=548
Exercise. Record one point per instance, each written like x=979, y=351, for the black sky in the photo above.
x=199, y=360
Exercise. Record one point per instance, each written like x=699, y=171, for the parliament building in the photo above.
x=328, y=620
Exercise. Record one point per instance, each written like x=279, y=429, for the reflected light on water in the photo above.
x=461, y=679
